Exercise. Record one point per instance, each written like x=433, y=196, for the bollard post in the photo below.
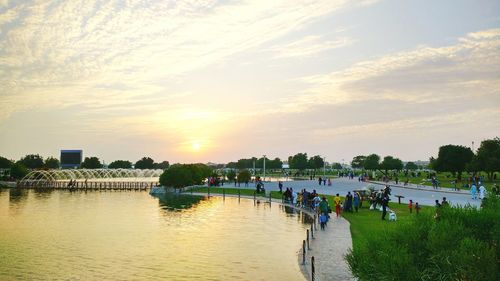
x=223, y=194
x=239, y=195
x=312, y=231
x=208, y=191
x=307, y=236
x=303, y=252
x=270, y=199
x=254, y=196
x=313, y=269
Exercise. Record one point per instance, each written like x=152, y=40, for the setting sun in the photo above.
x=196, y=146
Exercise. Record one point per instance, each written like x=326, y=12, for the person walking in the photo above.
x=337, y=205
x=356, y=201
x=385, y=201
x=323, y=207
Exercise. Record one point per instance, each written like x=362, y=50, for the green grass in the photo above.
x=445, y=180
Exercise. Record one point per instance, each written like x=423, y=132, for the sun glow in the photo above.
x=196, y=146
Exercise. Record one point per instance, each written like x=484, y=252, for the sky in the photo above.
x=204, y=80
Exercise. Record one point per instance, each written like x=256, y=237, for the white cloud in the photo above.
x=309, y=46
x=466, y=70
x=63, y=51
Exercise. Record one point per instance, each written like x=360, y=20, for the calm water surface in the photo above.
x=134, y=236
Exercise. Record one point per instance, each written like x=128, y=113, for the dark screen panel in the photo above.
x=71, y=158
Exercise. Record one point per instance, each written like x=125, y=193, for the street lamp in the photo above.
x=324, y=167
x=264, y=174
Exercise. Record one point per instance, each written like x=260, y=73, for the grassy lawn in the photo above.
x=445, y=180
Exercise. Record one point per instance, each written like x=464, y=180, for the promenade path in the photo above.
x=424, y=195
x=329, y=248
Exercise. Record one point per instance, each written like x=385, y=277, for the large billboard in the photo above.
x=71, y=159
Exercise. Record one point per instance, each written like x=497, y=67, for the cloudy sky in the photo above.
x=206, y=80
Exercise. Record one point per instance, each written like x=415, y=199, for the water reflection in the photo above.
x=176, y=202
x=134, y=236
x=17, y=195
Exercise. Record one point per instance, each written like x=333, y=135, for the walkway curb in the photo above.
x=421, y=189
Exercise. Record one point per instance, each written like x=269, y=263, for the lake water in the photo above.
x=134, y=236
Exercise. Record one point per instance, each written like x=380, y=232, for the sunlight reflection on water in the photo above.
x=131, y=235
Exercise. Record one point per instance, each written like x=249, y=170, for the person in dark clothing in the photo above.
x=385, y=201
x=320, y=180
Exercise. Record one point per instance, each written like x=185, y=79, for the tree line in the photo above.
x=20, y=168
x=451, y=158
x=299, y=161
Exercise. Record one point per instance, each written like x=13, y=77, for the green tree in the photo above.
x=145, y=163
x=32, y=161
x=51, y=163
x=372, y=162
x=411, y=166
x=454, y=159
x=199, y=172
x=120, y=164
x=5, y=163
x=231, y=175
x=337, y=166
x=91, y=163
x=391, y=163
x=162, y=165
x=182, y=175
x=358, y=162
x=276, y=163
x=244, y=176
x=18, y=170
x=316, y=162
x=488, y=157
x=177, y=176
x=298, y=161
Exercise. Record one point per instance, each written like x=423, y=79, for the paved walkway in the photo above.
x=329, y=248
x=422, y=194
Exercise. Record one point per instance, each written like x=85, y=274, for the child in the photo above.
x=410, y=206
x=417, y=207
x=392, y=216
x=322, y=220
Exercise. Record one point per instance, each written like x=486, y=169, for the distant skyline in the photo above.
x=199, y=81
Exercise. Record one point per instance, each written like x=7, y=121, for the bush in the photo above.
x=181, y=175
x=461, y=245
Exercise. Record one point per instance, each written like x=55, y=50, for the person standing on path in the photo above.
x=323, y=207
x=482, y=192
x=473, y=191
x=337, y=205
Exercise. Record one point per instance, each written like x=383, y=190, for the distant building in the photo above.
x=71, y=159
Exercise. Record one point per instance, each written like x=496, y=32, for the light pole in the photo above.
x=264, y=174
x=324, y=167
